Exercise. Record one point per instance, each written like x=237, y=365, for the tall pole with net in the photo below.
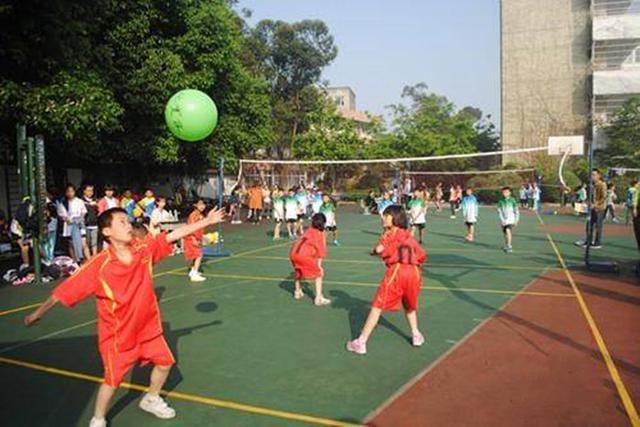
x=218, y=249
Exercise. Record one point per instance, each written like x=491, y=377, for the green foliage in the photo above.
x=94, y=77
x=328, y=135
x=624, y=133
x=292, y=57
x=428, y=126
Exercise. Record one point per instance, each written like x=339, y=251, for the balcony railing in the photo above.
x=615, y=7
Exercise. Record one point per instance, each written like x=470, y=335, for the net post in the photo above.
x=34, y=200
x=218, y=250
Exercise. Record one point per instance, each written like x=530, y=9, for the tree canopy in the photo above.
x=94, y=77
x=623, y=148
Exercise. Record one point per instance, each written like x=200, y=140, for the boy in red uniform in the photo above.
x=306, y=257
x=129, y=324
x=193, y=243
x=401, y=283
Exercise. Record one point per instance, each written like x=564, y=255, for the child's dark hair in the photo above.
x=318, y=221
x=506, y=188
x=140, y=226
x=104, y=221
x=398, y=216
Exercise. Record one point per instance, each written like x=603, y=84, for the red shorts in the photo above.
x=400, y=284
x=192, y=251
x=306, y=267
x=118, y=363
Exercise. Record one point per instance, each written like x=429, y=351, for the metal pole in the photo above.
x=33, y=195
x=22, y=164
x=220, y=200
x=587, y=252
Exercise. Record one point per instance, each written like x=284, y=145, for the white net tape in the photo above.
x=480, y=172
x=395, y=160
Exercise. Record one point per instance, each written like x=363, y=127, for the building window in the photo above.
x=339, y=100
x=633, y=60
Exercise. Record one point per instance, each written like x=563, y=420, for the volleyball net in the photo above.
x=352, y=178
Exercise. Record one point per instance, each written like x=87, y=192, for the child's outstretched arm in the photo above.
x=40, y=311
x=213, y=217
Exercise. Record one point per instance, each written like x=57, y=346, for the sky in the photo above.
x=383, y=45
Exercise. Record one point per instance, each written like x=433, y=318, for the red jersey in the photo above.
x=126, y=304
x=312, y=244
x=403, y=279
x=196, y=236
x=305, y=253
x=401, y=248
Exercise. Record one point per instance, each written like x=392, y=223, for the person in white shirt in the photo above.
x=160, y=215
x=71, y=211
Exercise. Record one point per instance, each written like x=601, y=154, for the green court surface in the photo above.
x=249, y=354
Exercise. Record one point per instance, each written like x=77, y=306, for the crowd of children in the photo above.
x=72, y=225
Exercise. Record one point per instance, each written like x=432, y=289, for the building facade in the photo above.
x=616, y=59
x=345, y=100
x=566, y=65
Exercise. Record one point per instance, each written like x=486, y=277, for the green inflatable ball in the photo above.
x=191, y=115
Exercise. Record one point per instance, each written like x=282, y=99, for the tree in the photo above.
x=292, y=57
x=94, y=77
x=623, y=147
x=329, y=136
x=428, y=125
x=486, y=139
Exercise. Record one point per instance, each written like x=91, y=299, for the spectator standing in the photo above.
x=90, y=220
x=596, y=215
x=108, y=201
x=71, y=211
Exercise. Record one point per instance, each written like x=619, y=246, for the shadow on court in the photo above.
x=357, y=310
x=142, y=374
x=68, y=399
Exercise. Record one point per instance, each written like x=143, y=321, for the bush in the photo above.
x=353, y=196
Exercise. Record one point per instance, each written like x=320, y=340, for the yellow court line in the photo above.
x=189, y=397
x=18, y=309
x=175, y=270
x=604, y=351
x=446, y=249
x=461, y=265
x=217, y=260
x=375, y=285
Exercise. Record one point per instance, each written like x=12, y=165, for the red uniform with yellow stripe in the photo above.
x=129, y=323
x=193, y=242
x=401, y=283
x=306, y=252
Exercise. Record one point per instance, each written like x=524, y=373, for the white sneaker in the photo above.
x=157, y=406
x=196, y=277
x=298, y=294
x=97, y=422
x=320, y=301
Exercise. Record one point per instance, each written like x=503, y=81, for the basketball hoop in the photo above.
x=565, y=146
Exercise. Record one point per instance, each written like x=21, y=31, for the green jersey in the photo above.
x=329, y=211
x=508, y=211
x=290, y=208
x=278, y=208
x=417, y=210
